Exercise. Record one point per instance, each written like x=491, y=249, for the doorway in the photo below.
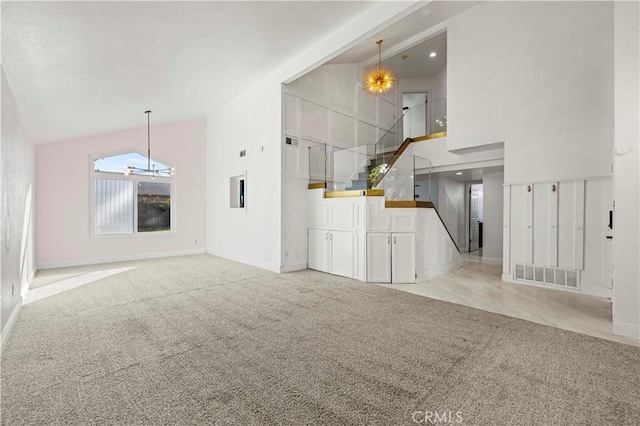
x=415, y=120
x=476, y=201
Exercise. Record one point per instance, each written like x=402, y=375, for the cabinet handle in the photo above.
x=326, y=236
x=394, y=240
x=331, y=237
x=388, y=239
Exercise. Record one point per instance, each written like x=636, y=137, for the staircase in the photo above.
x=363, y=181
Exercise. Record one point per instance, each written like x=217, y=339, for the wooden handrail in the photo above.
x=393, y=160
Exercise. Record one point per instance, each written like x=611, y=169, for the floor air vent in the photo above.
x=546, y=275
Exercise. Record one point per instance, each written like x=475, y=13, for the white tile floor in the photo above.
x=478, y=284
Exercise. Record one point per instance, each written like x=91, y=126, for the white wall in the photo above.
x=270, y=231
x=17, y=193
x=451, y=206
x=427, y=188
x=63, y=196
x=538, y=76
x=436, y=151
x=250, y=235
x=626, y=258
x=492, y=214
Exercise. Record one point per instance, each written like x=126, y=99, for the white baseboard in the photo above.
x=24, y=291
x=604, y=293
x=491, y=259
x=627, y=330
x=9, y=325
x=126, y=258
x=292, y=268
x=247, y=261
x=435, y=271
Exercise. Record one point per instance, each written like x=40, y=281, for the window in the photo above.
x=129, y=204
x=154, y=206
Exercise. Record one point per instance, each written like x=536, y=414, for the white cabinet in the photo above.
x=391, y=257
x=378, y=257
x=332, y=251
x=403, y=258
x=318, y=250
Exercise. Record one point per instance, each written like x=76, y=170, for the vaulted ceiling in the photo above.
x=82, y=68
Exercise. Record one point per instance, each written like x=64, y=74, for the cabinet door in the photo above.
x=403, y=258
x=342, y=259
x=318, y=250
x=379, y=257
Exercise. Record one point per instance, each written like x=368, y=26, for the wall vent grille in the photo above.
x=544, y=275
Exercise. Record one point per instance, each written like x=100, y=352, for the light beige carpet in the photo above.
x=202, y=340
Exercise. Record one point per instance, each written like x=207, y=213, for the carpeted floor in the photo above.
x=202, y=340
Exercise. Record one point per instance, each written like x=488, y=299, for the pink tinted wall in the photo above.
x=63, y=177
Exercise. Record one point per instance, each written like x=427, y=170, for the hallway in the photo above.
x=478, y=284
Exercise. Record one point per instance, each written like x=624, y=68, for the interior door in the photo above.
x=342, y=251
x=414, y=106
x=318, y=250
x=379, y=257
x=474, y=218
x=403, y=258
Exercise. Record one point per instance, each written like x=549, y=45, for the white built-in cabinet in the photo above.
x=560, y=234
x=359, y=238
x=391, y=257
x=332, y=252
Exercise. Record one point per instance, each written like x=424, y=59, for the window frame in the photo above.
x=93, y=175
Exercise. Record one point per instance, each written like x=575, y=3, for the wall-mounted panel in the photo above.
x=377, y=218
x=313, y=86
x=597, y=253
x=403, y=222
x=290, y=114
x=578, y=221
x=367, y=134
x=343, y=96
x=540, y=218
x=566, y=207
x=367, y=106
x=341, y=215
x=506, y=234
x=343, y=130
x=315, y=121
x=292, y=159
x=552, y=239
x=386, y=113
x=527, y=213
x=348, y=72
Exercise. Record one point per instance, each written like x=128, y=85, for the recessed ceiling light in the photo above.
x=459, y=173
x=432, y=54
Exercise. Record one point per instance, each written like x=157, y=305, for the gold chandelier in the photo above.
x=379, y=78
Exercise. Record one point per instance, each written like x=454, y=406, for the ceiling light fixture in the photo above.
x=151, y=167
x=432, y=54
x=379, y=78
x=458, y=173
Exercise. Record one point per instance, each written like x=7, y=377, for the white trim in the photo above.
x=428, y=273
x=93, y=175
x=560, y=180
x=24, y=291
x=9, y=325
x=247, y=261
x=604, y=293
x=97, y=261
x=292, y=268
x=496, y=260
x=626, y=329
